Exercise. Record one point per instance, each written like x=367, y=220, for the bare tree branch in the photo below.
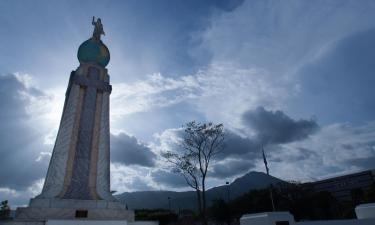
x=200, y=144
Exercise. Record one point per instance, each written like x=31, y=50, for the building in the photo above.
x=346, y=187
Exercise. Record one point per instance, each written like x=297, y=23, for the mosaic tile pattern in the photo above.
x=103, y=176
x=57, y=168
x=79, y=185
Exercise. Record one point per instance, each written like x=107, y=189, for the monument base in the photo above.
x=86, y=222
x=57, y=209
x=79, y=222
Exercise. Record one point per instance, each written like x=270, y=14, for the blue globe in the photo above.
x=93, y=51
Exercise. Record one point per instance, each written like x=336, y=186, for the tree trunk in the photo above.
x=199, y=201
x=204, y=219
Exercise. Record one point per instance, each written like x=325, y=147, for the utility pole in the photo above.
x=268, y=173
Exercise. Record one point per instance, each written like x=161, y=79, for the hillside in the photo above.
x=187, y=199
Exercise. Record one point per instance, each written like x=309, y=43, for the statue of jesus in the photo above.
x=98, y=30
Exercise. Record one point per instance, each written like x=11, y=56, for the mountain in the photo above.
x=187, y=199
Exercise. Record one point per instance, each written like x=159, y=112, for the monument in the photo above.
x=77, y=184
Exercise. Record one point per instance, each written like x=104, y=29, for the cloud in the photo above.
x=153, y=92
x=131, y=178
x=20, y=197
x=336, y=149
x=331, y=150
x=274, y=127
x=128, y=150
x=220, y=92
x=231, y=167
x=340, y=82
x=256, y=53
x=20, y=137
x=242, y=150
x=168, y=179
x=238, y=147
x=275, y=35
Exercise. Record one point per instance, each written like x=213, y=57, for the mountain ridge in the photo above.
x=187, y=199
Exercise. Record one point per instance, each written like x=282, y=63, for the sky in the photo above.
x=296, y=76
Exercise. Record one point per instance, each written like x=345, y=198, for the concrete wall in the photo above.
x=144, y=223
x=80, y=222
x=20, y=223
x=270, y=218
x=86, y=222
x=339, y=222
x=365, y=211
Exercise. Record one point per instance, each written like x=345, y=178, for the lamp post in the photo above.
x=228, y=196
x=169, y=204
x=228, y=191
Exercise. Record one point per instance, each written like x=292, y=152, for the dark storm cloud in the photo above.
x=363, y=163
x=169, y=179
x=272, y=128
x=21, y=142
x=128, y=150
x=275, y=127
x=140, y=184
x=237, y=146
x=299, y=154
x=231, y=168
x=240, y=152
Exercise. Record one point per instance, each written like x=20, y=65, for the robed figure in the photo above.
x=98, y=30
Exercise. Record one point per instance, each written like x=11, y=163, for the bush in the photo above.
x=163, y=216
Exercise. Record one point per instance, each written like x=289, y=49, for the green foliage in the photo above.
x=300, y=200
x=219, y=211
x=312, y=206
x=253, y=202
x=4, y=210
x=369, y=195
x=163, y=216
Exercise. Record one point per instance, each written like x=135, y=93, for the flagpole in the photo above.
x=268, y=173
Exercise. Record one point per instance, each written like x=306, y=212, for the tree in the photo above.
x=4, y=210
x=163, y=216
x=219, y=211
x=200, y=144
x=185, y=165
x=369, y=195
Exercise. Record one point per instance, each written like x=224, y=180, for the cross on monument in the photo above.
x=79, y=187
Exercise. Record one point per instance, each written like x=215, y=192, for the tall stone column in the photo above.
x=79, y=167
x=78, y=178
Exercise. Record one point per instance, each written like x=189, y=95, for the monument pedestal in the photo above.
x=85, y=222
x=46, y=209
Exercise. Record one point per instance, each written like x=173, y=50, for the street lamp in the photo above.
x=228, y=191
x=169, y=204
